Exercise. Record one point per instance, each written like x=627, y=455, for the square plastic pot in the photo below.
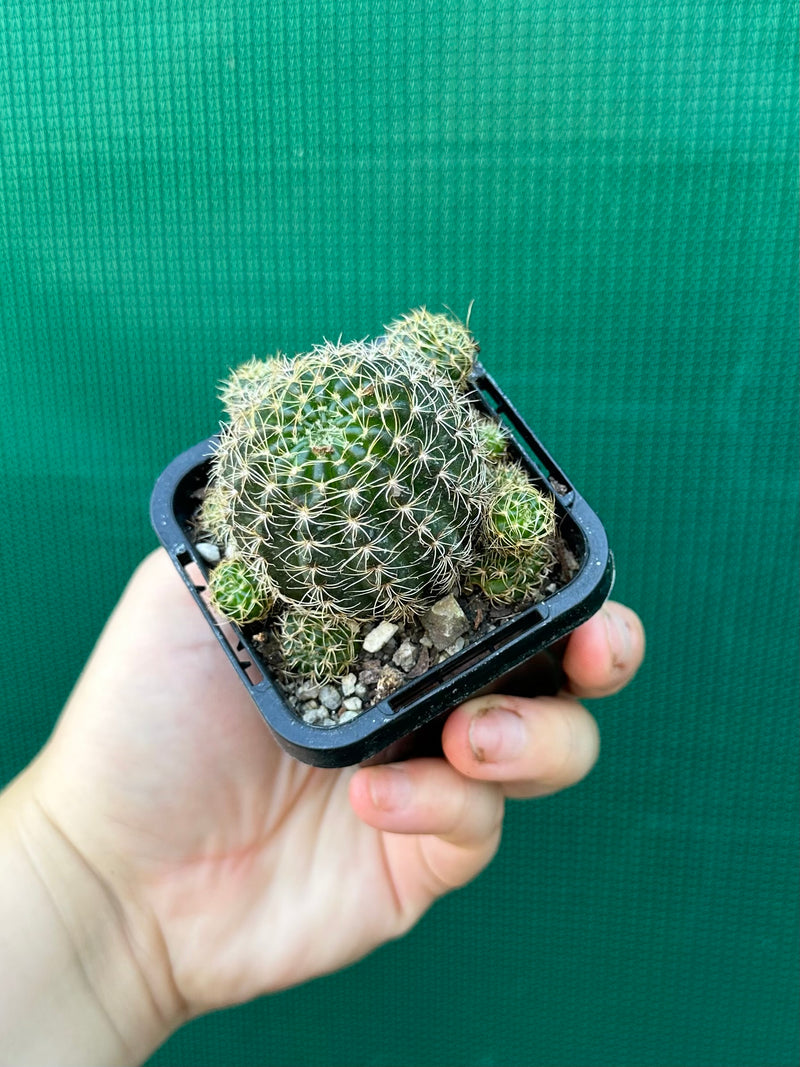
x=522, y=655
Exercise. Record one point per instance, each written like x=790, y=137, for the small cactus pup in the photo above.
x=316, y=644
x=519, y=517
x=362, y=482
x=236, y=594
x=443, y=341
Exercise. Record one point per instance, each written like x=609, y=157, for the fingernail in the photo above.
x=619, y=637
x=390, y=788
x=497, y=734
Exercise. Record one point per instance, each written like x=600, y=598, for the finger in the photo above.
x=532, y=747
x=426, y=796
x=604, y=653
x=449, y=825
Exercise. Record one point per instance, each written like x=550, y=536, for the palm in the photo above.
x=192, y=786
x=238, y=870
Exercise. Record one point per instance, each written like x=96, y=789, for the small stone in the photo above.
x=360, y=690
x=445, y=622
x=370, y=675
x=406, y=656
x=378, y=636
x=347, y=716
x=352, y=704
x=389, y=680
x=422, y=664
x=330, y=697
x=312, y=713
x=348, y=685
x=208, y=551
x=425, y=641
x=456, y=646
x=307, y=691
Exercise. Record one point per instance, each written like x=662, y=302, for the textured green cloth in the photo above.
x=185, y=183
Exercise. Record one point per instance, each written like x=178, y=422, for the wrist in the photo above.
x=80, y=988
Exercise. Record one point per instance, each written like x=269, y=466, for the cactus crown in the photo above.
x=359, y=481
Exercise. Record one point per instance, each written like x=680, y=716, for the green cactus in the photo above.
x=357, y=484
x=249, y=385
x=443, y=341
x=493, y=438
x=316, y=644
x=360, y=481
x=505, y=578
x=236, y=595
x=519, y=516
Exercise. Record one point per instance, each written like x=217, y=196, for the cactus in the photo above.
x=235, y=595
x=519, y=517
x=506, y=578
x=357, y=483
x=316, y=644
x=446, y=343
x=493, y=438
x=360, y=481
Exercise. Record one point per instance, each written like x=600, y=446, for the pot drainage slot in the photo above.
x=450, y=669
x=199, y=587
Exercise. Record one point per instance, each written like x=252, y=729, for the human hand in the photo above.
x=234, y=869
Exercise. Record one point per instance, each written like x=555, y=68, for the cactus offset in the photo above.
x=236, y=595
x=443, y=341
x=505, y=578
x=519, y=516
x=493, y=438
x=316, y=644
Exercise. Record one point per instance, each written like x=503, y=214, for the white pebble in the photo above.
x=330, y=697
x=352, y=704
x=313, y=714
x=377, y=638
x=348, y=685
x=209, y=552
x=307, y=691
x=456, y=646
x=406, y=656
x=348, y=716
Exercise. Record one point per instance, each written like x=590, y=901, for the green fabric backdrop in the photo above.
x=185, y=183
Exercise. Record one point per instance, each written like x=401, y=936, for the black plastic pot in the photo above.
x=523, y=654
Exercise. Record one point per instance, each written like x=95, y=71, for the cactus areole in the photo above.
x=359, y=483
